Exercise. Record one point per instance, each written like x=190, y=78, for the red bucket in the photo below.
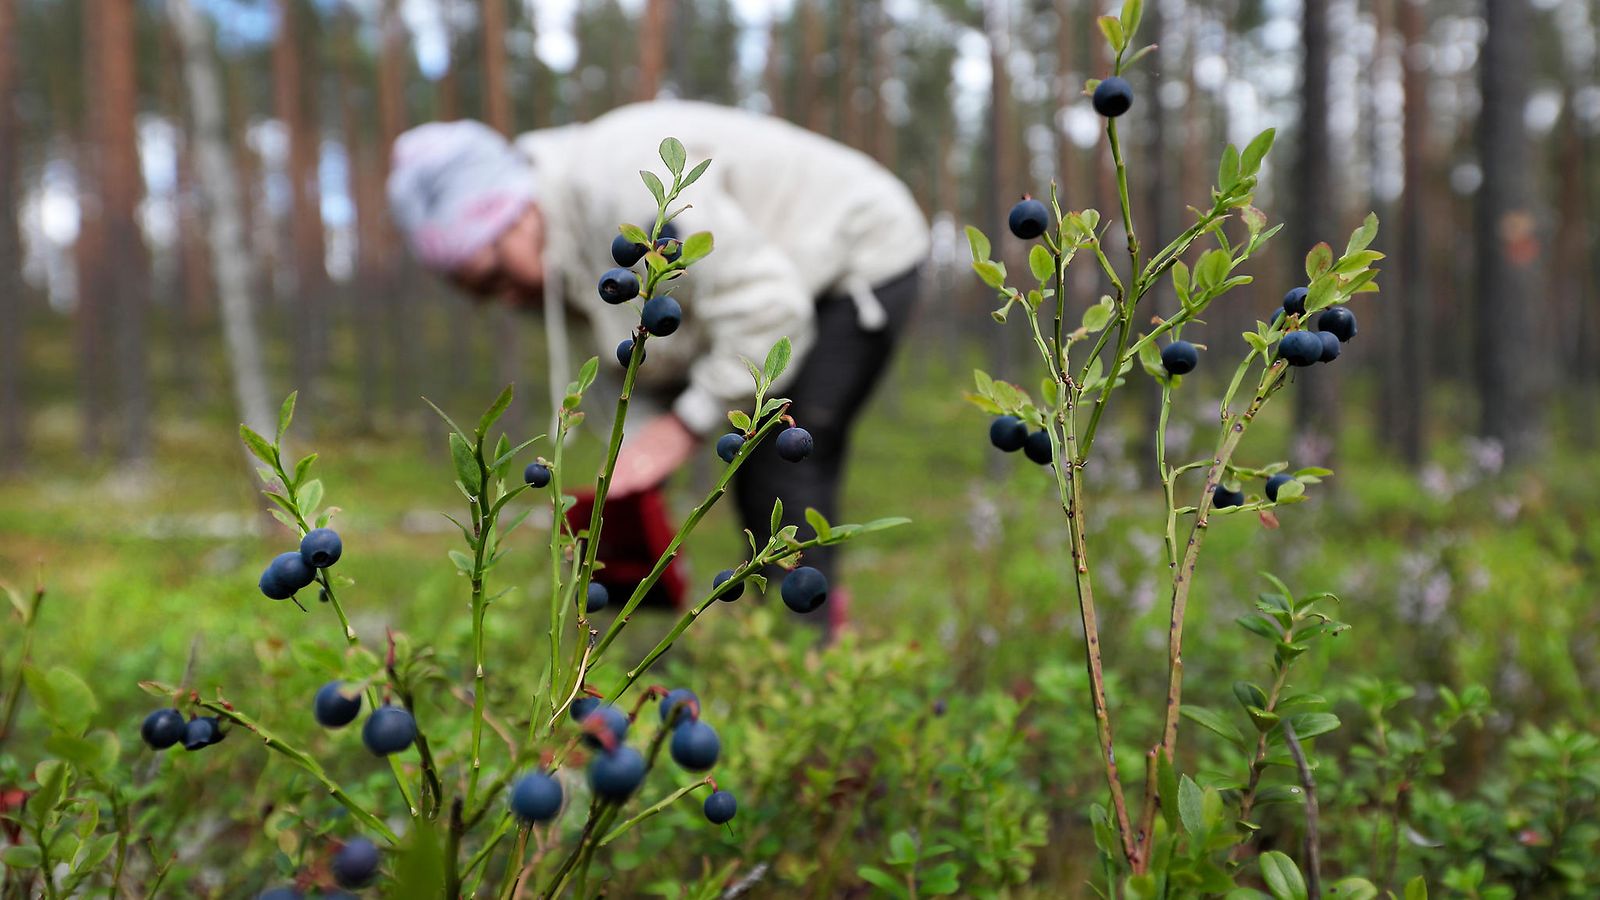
x=635, y=532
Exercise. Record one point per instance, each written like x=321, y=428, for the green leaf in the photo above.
x=1417, y=889
x=24, y=856
x=1191, y=806
x=258, y=446
x=777, y=360
x=1318, y=262
x=884, y=524
x=634, y=233
x=1290, y=490
x=447, y=420
x=1228, y=168
x=1309, y=725
x=992, y=273
x=695, y=173
x=586, y=375
x=654, y=184
x=1362, y=237
x=902, y=849
x=818, y=523
x=1214, y=723
x=1213, y=268
x=696, y=247
x=466, y=464
x=495, y=410
x=1353, y=889
x=1282, y=876
x=1111, y=27
x=1256, y=151
x=309, y=496
x=882, y=880
x=1140, y=887
x=739, y=419
x=286, y=414
x=672, y=153
x=303, y=467
x=1096, y=318
x=63, y=697
x=463, y=562
x=1041, y=263
x=1132, y=12
x=1249, y=695
x=1180, y=281
x=979, y=244
x=1167, y=784
x=777, y=515
x=419, y=864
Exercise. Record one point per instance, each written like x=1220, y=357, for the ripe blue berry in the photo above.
x=661, y=316
x=1028, y=219
x=669, y=247
x=162, y=728
x=1330, y=346
x=1180, y=357
x=1113, y=97
x=1338, y=321
x=618, y=286
x=580, y=708
x=389, y=729
x=1300, y=348
x=1294, y=302
x=334, y=708
x=321, y=548
x=1222, y=498
x=794, y=444
x=1037, y=447
x=597, y=597
x=286, y=574
x=626, y=252
x=536, y=474
x=615, y=775
x=610, y=719
x=1008, y=433
x=720, y=807
x=804, y=589
x=625, y=352
x=536, y=797
x=683, y=702
x=695, y=746
x=201, y=732
x=1275, y=482
x=356, y=863
x=728, y=446
x=733, y=593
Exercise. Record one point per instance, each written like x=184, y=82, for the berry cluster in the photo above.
x=290, y=572
x=1335, y=325
x=166, y=727
x=661, y=315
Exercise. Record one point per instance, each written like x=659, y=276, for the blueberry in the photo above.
x=679, y=699
x=1300, y=348
x=610, y=719
x=720, y=807
x=618, y=286
x=1180, y=357
x=669, y=247
x=1294, y=302
x=794, y=444
x=1029, y=219
x=1008, y=433
x=536, y=797
x=615, y=775
x=695, y=746
x=597, y=597
x=536, y=474
x=1330, y=346
x=163, y=728
x=1222, y=498
x=626, y=252
x=625, y=353
x=334, y=708
x=356, y=863
x=735, y=593
x=580, y=708
x=1275, y=482
x=728, y=446
x=1037, y=447
x=1338, y=321
x=286, y=574
x=201, y=732
x=321, y=548
x=804, y=589
x=389, y=729
x=661, y=316
x=1113, y=97
x=1275, y=316
x=281, y=892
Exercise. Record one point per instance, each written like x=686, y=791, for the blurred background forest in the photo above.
x=1471, y=128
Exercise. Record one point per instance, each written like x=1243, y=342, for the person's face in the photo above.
x=511, y=268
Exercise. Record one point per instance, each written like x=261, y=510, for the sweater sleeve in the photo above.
x=746, y=295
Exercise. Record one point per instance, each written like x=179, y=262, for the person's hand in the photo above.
x=660, y=447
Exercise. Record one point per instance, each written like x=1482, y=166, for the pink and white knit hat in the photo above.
x=454, y=187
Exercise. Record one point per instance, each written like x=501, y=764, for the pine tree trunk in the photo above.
x=652, y=48
x=1509, y=302
x=1407, y=348
x=309, y=288
x=506, y=331
x=225, y=223
x=89, y=249
x=1315, y=220
x=13, y=417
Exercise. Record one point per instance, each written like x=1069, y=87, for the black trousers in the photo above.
x=834, y=382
